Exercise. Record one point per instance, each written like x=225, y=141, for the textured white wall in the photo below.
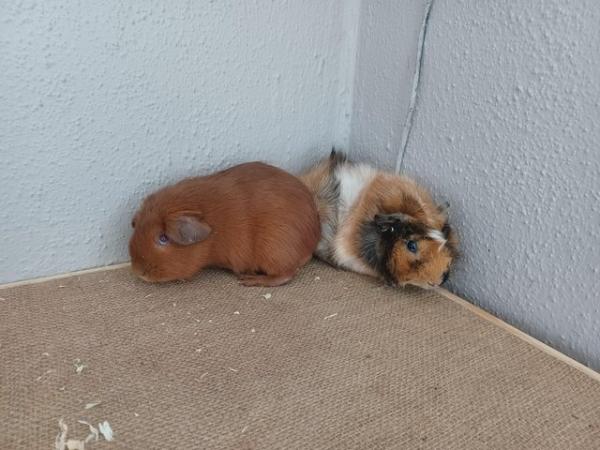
x=388, y=33
x=506, y=129
x=102, y=102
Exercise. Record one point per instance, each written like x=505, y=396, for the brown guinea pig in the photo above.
x=254, y=219
x=380, y=224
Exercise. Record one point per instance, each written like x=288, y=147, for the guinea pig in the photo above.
x=254, y=219
x=380, y=224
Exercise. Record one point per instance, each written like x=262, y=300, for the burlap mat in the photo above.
x=332, y=360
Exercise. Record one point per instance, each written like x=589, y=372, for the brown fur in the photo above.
x=254, y=219
x=384, y=193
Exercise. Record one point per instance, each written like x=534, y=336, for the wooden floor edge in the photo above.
x=63, y=275
x=520, y=334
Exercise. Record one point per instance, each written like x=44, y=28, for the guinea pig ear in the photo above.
x=444, y=209
x=386, y=222
x=186, y=228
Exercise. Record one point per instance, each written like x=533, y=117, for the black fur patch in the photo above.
x=376, y=249
x=400, y=226
x=329, y=193
x=447, y=231
x=445, y=276
x=336, y=158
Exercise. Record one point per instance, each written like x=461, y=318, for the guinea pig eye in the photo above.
x=412, y=246
x=163, y=239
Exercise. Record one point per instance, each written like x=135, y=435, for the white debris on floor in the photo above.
x=106, y=430
x=62, y=443
x=267, y=296
x=331, y=316
x=93, y=431
x=47, y=372
x=75, y=444
x=91, y=405
x=79, y=366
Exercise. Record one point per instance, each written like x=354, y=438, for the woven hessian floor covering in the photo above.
x=333, y=360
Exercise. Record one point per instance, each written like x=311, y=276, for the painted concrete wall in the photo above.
x=102, y=102
x=507, y=130
x=388, y=32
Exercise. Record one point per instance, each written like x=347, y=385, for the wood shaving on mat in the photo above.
x=253, y=330
x=331, y=316
x=237, y=313
x=47, y=372
x=60, y=442
x=244, y=429
x=317, y=278
x=233, y=370
x=75, y=444
x=45, y=354
x=93, y=431
x=106, y=430
x=92, y=405
x=267, y=296
x=79, y=366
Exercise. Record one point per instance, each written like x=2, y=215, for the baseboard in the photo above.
x=63, y=275
x=520, y=334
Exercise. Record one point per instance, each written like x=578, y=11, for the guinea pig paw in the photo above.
x=264, y=280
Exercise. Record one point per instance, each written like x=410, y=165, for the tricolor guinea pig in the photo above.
x=254, y=219
x=380, y=224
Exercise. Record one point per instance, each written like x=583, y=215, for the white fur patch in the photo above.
x=348, y=260
x=438, y=236
x=353, y=180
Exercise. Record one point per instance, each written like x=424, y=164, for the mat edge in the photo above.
x=60, y=276
x=519, y=334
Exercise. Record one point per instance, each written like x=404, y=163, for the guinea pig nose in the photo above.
x=445, y=276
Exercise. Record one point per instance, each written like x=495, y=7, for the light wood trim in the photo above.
x=520, y=334
x=63, y=275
